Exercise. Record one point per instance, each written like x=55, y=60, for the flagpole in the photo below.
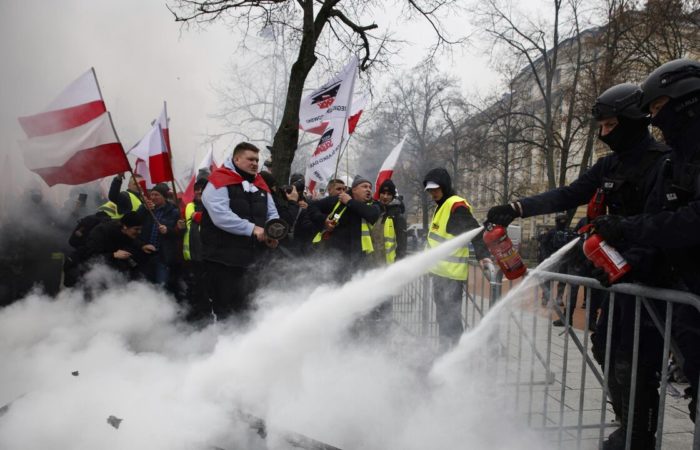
x=169, y=149
x=131, y=171
x=345, y=122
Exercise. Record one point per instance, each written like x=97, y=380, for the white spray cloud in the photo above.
x=296, y=365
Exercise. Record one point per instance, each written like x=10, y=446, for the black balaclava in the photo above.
x=677, y=118
x=626, y=134
x=560, y=223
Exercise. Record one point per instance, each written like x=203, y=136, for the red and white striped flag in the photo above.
x=387, y=169
x=207, y=163
x=73, y=141
x=163, y=122
x=153, y=153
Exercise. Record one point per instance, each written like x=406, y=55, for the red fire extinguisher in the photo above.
x=602, y=255
x=501, y=247
x=596, y=206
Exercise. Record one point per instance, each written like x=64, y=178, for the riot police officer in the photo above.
x=671, y=94
x=617, y=182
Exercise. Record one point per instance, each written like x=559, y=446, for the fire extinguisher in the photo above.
x=596, y=206
x=602, y=255
x=501, y=247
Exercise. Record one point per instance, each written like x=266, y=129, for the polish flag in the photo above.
x=163, y=122
x=73, y=141
x=387, y=169
x=207, y=163
x=154, y=154
x=141, y=168
x=358, y=106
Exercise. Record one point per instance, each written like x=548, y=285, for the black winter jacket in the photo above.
x=347, y=234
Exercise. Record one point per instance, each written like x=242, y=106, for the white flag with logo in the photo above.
x=331, y=100
x=323, y=162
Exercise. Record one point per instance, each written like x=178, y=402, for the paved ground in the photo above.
x=573, y=396
x=566, y=403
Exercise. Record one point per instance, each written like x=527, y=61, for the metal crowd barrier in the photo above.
x=550, y=374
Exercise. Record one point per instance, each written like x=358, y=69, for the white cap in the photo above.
x=431, y=185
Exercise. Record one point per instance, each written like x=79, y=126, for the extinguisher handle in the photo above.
x=586, y=229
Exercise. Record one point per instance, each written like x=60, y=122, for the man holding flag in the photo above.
x=121, y=202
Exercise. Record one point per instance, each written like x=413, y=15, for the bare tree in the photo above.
x=414, y=106
x=501, y=135
x=311, y=23
x=553, y=59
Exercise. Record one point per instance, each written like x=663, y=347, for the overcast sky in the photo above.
x=143, y=57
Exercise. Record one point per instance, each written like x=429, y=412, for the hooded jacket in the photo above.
x=461, y=218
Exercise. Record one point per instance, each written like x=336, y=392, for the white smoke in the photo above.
x=69, y=364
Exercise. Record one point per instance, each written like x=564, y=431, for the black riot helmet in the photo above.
x=621, y=100
x=675, y=79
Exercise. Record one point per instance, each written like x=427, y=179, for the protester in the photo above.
x=237, y=204
x=117, y=244
x=618, y=182
x=346, y=219
x=291, y=208
x=335, y=187
x=452, y=216
x=302, y=230
x=389, y=239
x=199, y=304
x=159, y=230
x=393, y=223
x=122, y=202
x=671, y=214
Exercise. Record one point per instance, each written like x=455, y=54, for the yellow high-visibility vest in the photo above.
x=189, y=211
x=110, y=208
x=389, y=240
x=365, y=238
x=455, y=265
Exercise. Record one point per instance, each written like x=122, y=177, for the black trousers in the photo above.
x=645, y=412
x=447, y=295
x=229, y=289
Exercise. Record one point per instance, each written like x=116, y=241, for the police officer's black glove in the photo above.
x=609, y=227
x=601, y=275
x=502, y=214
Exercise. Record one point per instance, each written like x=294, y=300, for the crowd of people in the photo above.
x=210, y=252
x=643, y=199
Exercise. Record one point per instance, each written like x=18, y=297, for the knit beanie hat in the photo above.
x=131, y=219
x=359, y=179
x=388, y=186
x=162, y=189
